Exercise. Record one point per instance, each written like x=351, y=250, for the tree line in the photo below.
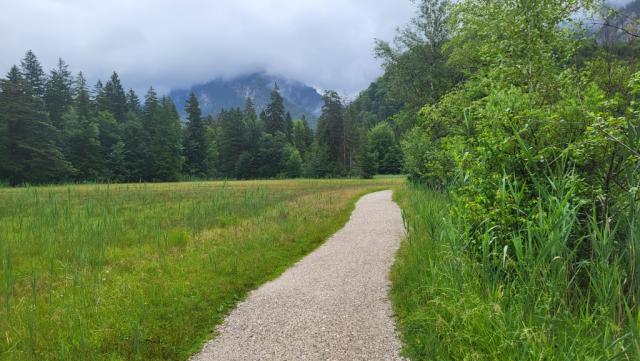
x=54, y=128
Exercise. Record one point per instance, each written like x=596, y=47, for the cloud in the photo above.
x=173, y=43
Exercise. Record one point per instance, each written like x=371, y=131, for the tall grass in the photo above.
x=539, y=297
x=133, y=272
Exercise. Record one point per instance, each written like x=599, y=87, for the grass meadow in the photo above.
x=145, y=271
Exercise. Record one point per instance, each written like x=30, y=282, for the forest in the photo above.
x=54, y=129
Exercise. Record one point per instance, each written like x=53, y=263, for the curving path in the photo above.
x=332, y=305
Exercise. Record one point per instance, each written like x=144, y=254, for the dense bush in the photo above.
x=539, y=149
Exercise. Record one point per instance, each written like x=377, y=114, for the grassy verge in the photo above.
x=451, y=306
x=132, y=272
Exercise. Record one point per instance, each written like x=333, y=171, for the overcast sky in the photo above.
x=175, y=43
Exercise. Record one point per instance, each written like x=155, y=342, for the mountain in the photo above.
x=218, y=94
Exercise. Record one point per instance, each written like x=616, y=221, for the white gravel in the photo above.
x=332, y=305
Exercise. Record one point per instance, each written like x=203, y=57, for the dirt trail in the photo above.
x=332, y=305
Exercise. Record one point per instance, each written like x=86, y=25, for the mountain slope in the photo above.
x=221, y=94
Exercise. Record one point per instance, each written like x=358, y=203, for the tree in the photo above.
x=416, y=67
x=81, y=145
x=384, y=149
x=110, y=138
x=58, y=93
x=275, y=118
x=33, y=74
x=331, y=131
x=166, y=143
x=31, y=152
x=292, y=162
x=231, y=141
x=114, y=99
x=82, y=98
x=302, y=136
x=272, y=155
x=195, y=142
x=365, y=167
x=133, y=102
x=136, y=148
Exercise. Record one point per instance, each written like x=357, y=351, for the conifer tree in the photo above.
x=231, y=141
x=166, y=142
x=330, y=134
x=82, y=98
x=136, y=150
x=195, y=142
x=81, y=145
x=133, y=102
x=115, y=100
x=275, y=120
x=58, y=93
x=150, y=116
x=33, y=74
x=31, y=155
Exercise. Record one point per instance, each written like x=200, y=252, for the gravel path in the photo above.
x=332, y=305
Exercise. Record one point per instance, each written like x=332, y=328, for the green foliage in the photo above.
x=275, y=118
x=114, y=100
x=385, y=150
x=196, y=147
x=538, y=148
x=30, y=153
x=58, y=93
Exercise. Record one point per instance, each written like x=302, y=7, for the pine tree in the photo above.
x=150, y=116
x=166, y=142
x=58, y=93
x=133, y=102
x=275, y=120
x=81, y=145
x=33, y=74
x=31, y=155
x=82, y=98
x=136, y=150
x=331, y=131
x=231, y=141
x=195, y=143
x=115, y=100
x=246, y=167
x=110, y=136
x=288, y=123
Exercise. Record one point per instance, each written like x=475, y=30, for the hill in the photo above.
x=220, y=93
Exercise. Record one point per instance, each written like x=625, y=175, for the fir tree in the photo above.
x=331, y=130
x=58, y=93
x=31, y=155
x=82, y=98
x=166, y=143
x=195, y=143
x=81, y=145
x=231, y=141
x=136, y=151
x=115, y=100
x=33, y=74
x=275, y=120
x=133, y=102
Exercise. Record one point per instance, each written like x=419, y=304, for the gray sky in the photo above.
x=175, y=43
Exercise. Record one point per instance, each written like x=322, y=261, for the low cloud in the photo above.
x=171, y=43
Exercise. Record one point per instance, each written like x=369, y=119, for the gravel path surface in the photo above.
x=332, y=305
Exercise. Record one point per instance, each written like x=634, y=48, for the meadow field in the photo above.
x=145, y=271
